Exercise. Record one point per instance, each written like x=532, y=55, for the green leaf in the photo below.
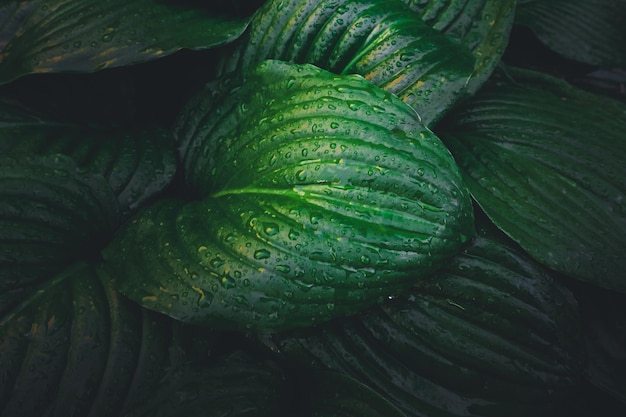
x=74, y=346
x=333, y=394
x=51, y=214
x=235, y=385
x=491, y=334
x=39, y=36
x=545, y=161
x=320, y=195
x=138, y=163
x=589, y=31
x=483, y=26
x=384, y=41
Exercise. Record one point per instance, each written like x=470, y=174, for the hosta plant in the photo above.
x=298, y=207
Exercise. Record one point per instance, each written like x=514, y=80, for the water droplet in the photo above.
x=301, y=175
x=107, y=38
x=283, y=268
x=261, y=254
x=293, y=235
x=270, y=229
x=217, y=262
x=365, y=259
x=77, y=44
x=330, y=306
x=334, y=125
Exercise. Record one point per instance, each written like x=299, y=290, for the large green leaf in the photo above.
x=491, y=335
x=38, y=36
x=546, y=163
x=481, y=25
x=384, y=41
x=320, y=195
x=75, y=347
x=590, y=31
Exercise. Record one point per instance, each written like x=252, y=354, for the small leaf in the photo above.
x=589, y=31
x=545, y=161
x=39, y=36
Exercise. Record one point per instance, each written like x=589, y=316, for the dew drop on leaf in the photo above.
x=270, y=229
x=261, y=254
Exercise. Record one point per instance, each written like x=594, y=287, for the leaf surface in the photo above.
x=86, y=35
x=304, y=181
x=545, y=162
x=589, y=31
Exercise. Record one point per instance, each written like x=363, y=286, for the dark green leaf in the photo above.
x=590, y=31
x=483, y=26
x=51, y=213
x=546, y=163
x=39, y=36
x=137, y=163
x=75, y=347
x=236, y=385
x=322, y=194
x=492, y=334
x=384, y=41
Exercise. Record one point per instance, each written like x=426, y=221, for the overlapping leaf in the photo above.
x=74, y=346
x=39, y=36
x=545, y=162
x=483, y=26
x=590, y=31
x=320, y=195
x=136, y=163
x=51, y=213
x=384, y=41
x=492, y=334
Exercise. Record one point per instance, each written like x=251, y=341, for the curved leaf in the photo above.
x=483, y=26
x=491, y=334
x=307, y=180
x=589, y=31
x=74, y=346
x=235, y=385
x=545, y=175
x=137, y=163
x=381, y=40
x=51, y=214
x=39, y=36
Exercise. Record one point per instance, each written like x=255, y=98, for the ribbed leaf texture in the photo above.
x=589, y=31
x=492, y=334
x=38, y=36
x=75, y=347
x=384, y=41
x=549, y=178
x=318, y=195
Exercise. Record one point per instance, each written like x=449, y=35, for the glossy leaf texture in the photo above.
x=51, y=214
x=483, y=26
x=137, y=163
x=237, y=385
x=545, y=162
x=491, y=334
x=384, y=41
x=318, y=195
x=75, y=347
x=588, y=31
x=39, y=36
